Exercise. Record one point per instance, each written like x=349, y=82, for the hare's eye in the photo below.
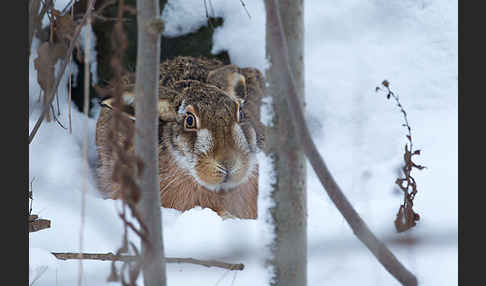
x=190, y=121
x=241, y=115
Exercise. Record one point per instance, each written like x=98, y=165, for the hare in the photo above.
x=209, y=134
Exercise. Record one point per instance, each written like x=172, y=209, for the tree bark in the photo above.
x=290, y=211
x=146, y=138
x=277, y=43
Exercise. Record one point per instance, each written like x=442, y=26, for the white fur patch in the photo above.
x=182, y=108
x=204, y=141
x=239, y=138
x=252, y=140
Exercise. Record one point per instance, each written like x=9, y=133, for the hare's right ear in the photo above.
x=128, y=104
x=229, y=79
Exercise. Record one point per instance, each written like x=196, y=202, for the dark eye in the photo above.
x=190, y=121
x=241, y=114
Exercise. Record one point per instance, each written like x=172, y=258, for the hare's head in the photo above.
x=212, y=138
x=206, y=129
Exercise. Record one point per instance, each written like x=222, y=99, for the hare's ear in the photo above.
x=168, y=99
x=230, y=80
x=166, y=111
x=128, y=104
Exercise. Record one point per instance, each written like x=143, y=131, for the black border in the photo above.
x=15, y=127
x=471, y=143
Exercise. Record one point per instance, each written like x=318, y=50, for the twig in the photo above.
x=207, y=263
x=87, y=51
x=31, y=196
x=406, y=217
x=279, y=54
x=113, y=257
x=61, y=70
x=70, y=82
x=56, y=119
x=36, y=224
x=244, y=7
x=34, y=6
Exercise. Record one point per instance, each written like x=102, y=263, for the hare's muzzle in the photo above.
x=223, y=171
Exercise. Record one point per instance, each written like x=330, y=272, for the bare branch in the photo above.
x=34, y=6
x=36, y=224
x=87, y=46
x=149, y=28
x=244, y=7
x=70, y=82
x=207, y=263
x=113, y=257
x=279, y=54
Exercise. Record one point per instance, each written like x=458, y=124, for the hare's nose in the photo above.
x=228, y=164
x=224, y=172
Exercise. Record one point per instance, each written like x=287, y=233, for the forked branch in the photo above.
x=279, y=54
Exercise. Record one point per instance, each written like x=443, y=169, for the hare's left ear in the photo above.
x=230, y=80
x=128, y=104
x=166, y=111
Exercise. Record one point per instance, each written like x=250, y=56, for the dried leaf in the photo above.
x=44, y=64
x=406, y=218
x=64, y=25
x=48, y=54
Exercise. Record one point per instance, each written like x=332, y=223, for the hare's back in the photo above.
x=186, y=68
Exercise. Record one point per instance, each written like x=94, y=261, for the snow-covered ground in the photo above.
x=351, y=47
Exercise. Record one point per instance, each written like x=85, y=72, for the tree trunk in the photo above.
x=146, y=138
x=290, y=210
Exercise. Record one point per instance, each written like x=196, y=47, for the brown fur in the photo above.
x=177, y=184
x=205, y=85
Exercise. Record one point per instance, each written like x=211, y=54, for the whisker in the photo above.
x=170, y=183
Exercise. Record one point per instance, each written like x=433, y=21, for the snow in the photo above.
x=182, y=17
x=351, y=47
